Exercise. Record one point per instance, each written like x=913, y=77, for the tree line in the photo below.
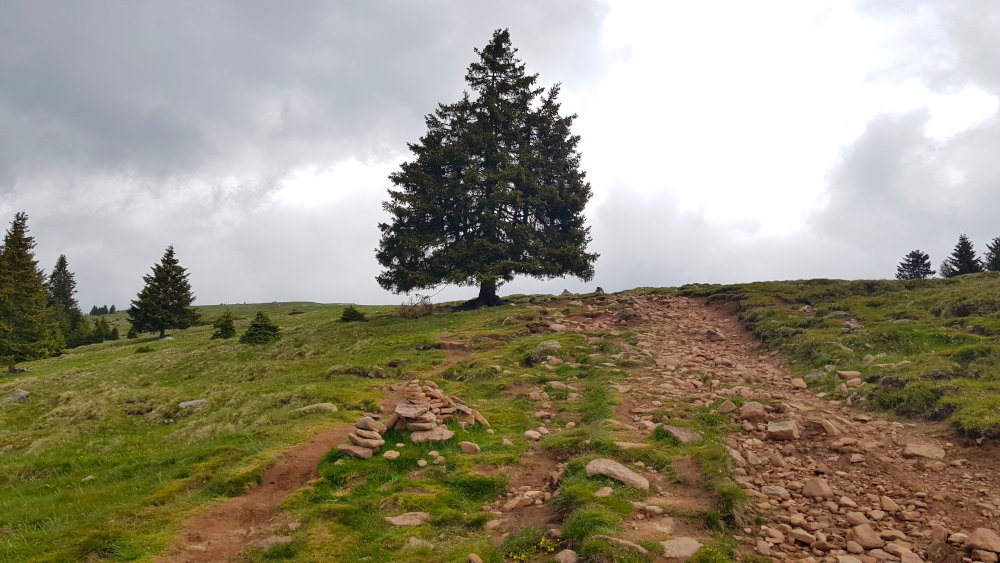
x=962, y=260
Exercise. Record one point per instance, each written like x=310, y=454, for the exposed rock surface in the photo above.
x=614, y=470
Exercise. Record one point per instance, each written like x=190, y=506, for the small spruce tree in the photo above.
x=165, y=301
x=261, y=331
x=963, y=259
x=352, y=314
x=112, y=309
x=991, y=260
x=915, y=266
x=62, y=288
x=28, y=330
x=94, y=311
x=224, y=326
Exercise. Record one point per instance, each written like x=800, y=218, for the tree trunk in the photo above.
x=163, y=333
x=487, y=296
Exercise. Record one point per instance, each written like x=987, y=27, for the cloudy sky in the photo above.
x=724, y=140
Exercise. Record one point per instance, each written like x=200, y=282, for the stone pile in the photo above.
x=425, y=409
x=366, y=438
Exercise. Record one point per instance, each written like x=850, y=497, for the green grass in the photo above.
x=947, y=330
x=111, y=410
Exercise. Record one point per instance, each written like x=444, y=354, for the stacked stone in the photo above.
x=365, y=439
x=424, y=410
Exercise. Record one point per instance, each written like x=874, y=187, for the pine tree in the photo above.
x=991, y=260
x=94, y=311
x=962, y=260
x=62, y=288
x=165, y=301
x=27, y=329
x=261, y=331
x=915, y=266
x=224, y=326
x=111, y=310
x=495, y=190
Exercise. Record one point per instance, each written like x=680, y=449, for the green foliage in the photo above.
x=991, y=259
x=261, y=331
x=224, y=326
x=522, y=542
x=915, y=266
x=962, y=260
x=165, y=301
x=495, y=189
x=590, y=520
x=28, y=328
x=352, y=314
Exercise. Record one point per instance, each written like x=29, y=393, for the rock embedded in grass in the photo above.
x=680, y=548
x=354, y=450
x=614, y=470
x=318, y=407
x=19, y=395
x=470, y=447
x=408, y=519
x=683, y=435
x=192, y=404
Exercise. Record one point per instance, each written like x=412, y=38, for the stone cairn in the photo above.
x=423, y=412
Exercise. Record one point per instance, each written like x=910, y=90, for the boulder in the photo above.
x=614, y=470
x=20, y=395
x=532, y=435
x=408, y=519
x=984, y=539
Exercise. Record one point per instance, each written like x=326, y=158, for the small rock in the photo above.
x=436, y=435
x=19, y=395
x=532, y=435
x=753, y=412
x=422, y=463
x=87, y=479
x=566, y=556
x=470, y=447
x=680, y=548
x=928, y=451
x=192, y=404
x=473, y=558
x=369, y=423
x=391, y=454
x=408, y=519
x=614, y=470
x=865, y=536
x=604, y=492
x=848, y=375
x=727, y=406
x=783, y=430
x=818, y=488
x=623, y=543
x=799, y=383
x=507, y=442
x=683, y=435
x=355, y=451
x=549, y=345
x=417, y=542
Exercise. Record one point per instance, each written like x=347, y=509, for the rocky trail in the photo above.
x=834, y=483
x=826, y=481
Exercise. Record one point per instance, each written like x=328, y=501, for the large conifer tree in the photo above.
x=991, y=260
x=915, y=266
x=962, y=260
x=495, y=189
x=27, y=329
x=62, y=300
x=165, y=301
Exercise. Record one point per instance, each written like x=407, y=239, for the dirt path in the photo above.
x=844, y=475
x=220, y=533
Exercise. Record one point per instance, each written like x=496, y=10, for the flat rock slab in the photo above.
x=318, y=407
x=680, y=548
x=817, y=488
x=192, y=404
x=984, y=539
x=614, y=470
x=354, y=450
x=683, y=435
x=408, y=519
x=412, y=410
x=928, y=451
x=623, y=543
x=783, y=430
x=369, y=423
x=436, y=435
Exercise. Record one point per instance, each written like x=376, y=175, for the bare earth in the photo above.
x=845, y=475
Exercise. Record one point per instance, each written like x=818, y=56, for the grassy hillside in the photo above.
x=925, y=348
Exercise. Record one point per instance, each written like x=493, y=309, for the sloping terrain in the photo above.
x=742, y=460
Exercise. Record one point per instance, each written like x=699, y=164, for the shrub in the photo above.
x=261, y=331
x=352, y=314
x=224, y=327
x=416, y=307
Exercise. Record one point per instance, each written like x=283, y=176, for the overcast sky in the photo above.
x=725, y=141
